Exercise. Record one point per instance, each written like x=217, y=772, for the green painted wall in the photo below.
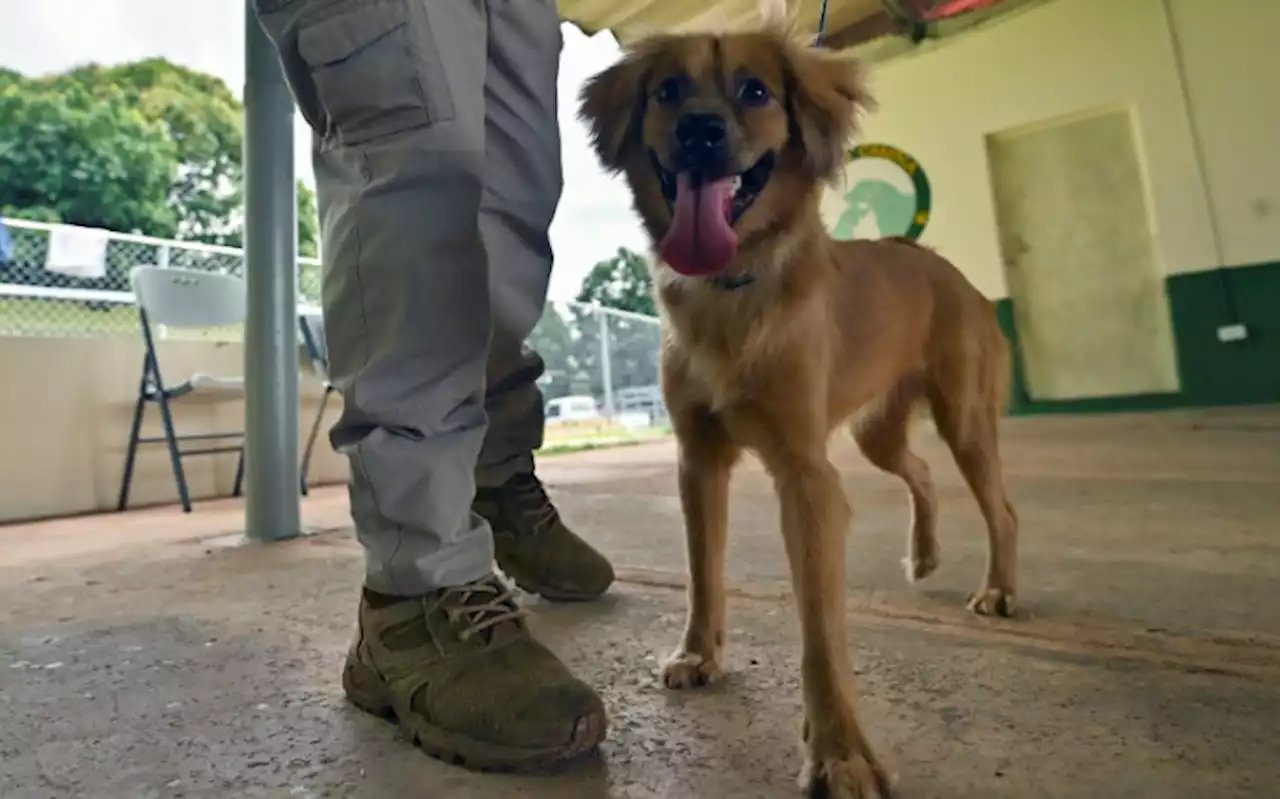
x=1212, y=373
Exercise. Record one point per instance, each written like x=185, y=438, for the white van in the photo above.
x=574, y=408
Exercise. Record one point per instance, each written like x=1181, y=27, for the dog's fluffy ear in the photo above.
x=778, y=16
x=826, y=93
x=612, y=105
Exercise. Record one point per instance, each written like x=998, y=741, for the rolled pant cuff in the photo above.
x=420, y=579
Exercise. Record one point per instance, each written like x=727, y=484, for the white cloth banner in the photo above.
x=77, y=252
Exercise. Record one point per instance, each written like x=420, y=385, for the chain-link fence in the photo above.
x=601, y=377
x=95, y=299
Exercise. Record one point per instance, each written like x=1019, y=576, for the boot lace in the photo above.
x=534, y=503
x=482, y=606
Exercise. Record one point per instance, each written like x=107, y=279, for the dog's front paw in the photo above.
x=993, y=602
x=690, y=670
x=854, y=777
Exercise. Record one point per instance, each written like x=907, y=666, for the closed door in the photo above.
x=1088, y=296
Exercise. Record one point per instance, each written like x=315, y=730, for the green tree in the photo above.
x=553, y=340
x=195, y=116
x=204, y=121
x=308, y=222
x=621, y=282
x=70, y=155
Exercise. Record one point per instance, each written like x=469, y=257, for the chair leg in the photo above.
x=236, y=490
x=174, y=454
x=311, y=439
x=132, y=454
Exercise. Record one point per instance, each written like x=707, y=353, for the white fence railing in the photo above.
x=601, y=363
x=35, y=301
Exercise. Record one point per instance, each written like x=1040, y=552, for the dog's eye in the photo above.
x=668, y=91
x=753, y=92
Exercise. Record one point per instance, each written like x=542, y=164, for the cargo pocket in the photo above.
x=376, y=71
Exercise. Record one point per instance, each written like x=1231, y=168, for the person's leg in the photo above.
x=395, y=92
x=522, y=189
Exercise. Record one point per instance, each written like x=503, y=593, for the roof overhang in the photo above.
x=893, y=26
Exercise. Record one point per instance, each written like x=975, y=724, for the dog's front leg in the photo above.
x=839, y=762
x=707, y=456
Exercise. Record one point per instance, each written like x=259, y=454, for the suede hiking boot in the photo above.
x=466, y=681
x=535, y=548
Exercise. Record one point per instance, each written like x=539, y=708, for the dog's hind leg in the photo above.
x=882, y=434
x=967, y=414
x=707, y=455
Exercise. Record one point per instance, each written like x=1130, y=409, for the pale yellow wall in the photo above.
x=65, y=411
x=1233, y=78
x=1067, y=57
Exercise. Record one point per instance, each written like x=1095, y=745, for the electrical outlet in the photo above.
x=1230, y=333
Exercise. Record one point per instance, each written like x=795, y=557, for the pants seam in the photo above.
x=365, y=172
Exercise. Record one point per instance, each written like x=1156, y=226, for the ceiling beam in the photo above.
x=876, y=26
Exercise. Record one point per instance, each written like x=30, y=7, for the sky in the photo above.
x=594, y=217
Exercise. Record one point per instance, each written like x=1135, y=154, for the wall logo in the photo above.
x=887, y=188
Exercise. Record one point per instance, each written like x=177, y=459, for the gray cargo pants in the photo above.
x=437, y=163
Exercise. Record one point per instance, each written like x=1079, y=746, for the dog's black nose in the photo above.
x=703, y=140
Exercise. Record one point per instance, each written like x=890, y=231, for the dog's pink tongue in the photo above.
x=700, y=240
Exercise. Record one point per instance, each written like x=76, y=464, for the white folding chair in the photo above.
x=311, y=323
x=182, y=298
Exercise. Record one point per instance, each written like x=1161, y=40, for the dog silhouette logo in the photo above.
x=885, y=193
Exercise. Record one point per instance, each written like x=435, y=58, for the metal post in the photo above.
x=606, y=361
x=271, y=271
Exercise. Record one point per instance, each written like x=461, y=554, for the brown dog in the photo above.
x=775, y=335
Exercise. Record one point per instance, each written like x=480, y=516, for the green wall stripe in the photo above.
x=1212, y=373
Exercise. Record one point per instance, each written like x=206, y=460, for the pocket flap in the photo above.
x=336, y=39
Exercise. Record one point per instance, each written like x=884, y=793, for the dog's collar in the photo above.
x=732, y=282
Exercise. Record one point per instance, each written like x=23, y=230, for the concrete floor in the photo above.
x=144, y=656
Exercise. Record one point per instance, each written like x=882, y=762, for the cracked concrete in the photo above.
x=140, y=657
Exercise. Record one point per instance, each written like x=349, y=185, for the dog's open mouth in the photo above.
x=746, y=185
x=701, y=239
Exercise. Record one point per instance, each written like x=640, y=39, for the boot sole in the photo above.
x=551, y=593
x=556, y=594
x=368, y=691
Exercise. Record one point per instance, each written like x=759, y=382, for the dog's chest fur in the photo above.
x=724, y=344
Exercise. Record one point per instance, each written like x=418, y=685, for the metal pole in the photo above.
x=606, y=361
x=271, y=270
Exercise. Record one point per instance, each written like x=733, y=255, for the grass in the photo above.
x=557, y=443
x=21, y=316
x=41, y=318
